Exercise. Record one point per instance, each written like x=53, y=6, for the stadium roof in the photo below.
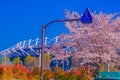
x=29, y=47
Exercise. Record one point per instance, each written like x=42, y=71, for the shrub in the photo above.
x=48, y=74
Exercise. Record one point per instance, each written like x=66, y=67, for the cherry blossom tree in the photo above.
x=96, y=42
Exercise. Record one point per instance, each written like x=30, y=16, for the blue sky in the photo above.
x=22, y=19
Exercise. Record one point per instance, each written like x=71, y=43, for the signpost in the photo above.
x=85, y=19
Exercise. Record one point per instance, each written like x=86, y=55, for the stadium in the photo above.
x=33, y=48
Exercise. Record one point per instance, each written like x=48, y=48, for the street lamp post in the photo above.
x=86, y=18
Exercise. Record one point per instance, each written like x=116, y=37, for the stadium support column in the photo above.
x=39, y=60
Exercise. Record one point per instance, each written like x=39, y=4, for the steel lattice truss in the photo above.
x=30, y=47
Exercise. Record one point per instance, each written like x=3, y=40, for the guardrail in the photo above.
x=108, y=76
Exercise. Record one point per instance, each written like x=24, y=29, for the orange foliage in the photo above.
x=12, y=72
